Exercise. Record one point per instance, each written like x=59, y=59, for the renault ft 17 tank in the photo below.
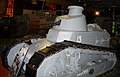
x=71, y=48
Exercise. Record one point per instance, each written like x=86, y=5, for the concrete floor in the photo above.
x=6, y=41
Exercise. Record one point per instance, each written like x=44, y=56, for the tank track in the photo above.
x=39, y=56
x=60, y=46
x=12, y=43
x=5, y=52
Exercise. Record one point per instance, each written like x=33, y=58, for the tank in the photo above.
x=71, y=48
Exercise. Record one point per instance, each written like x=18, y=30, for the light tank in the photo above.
x=71, y=49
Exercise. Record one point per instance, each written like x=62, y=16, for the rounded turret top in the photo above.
x=75, y=10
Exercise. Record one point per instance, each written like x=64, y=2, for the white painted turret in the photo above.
x=74, y=21
x=73, y=27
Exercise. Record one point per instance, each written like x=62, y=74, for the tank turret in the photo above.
x=74, y=21
x=73, y=27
